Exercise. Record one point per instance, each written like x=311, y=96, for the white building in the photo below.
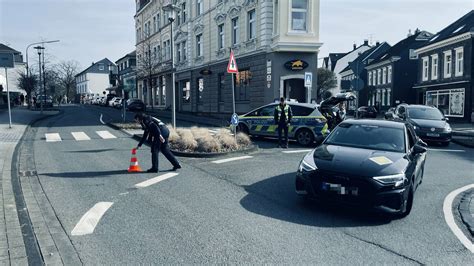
x=13, y=73
x=94, y=80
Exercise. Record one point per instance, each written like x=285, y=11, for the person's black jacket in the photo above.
x=151, y=129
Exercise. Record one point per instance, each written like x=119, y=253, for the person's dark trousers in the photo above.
x=165, y=149
x=155, y=150
x=283, y=127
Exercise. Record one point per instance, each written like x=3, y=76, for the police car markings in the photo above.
x=80, y=136
x=449, y=217
x=232, y=159
x=155, y=180
x=105, y=134
x=296, y=151
x=52, y=137
x=90, y=219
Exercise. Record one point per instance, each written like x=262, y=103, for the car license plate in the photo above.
x=339, y=189
x=432, y=135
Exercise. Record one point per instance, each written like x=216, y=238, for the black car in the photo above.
x=135, y=105
x=108, y=98
x=366, y=112
x=373, y=163
x=429, y=123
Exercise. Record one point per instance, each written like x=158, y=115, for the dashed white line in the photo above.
x=232, y=159
x=52, y=137
x=105, y=134
x=80, y=136
x=155, y=180
x=90, y=219
x=449, y=217
x=296, y=151
x=447, y=150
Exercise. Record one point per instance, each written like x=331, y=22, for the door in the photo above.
x=295, y=89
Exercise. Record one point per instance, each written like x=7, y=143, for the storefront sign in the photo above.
x=295, y=65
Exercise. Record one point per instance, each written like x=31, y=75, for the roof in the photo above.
x=408, y=43
x=460, y=26
x=366, y=54
x=5, y=48
x=374, y=122
x=91, y=68
x=131, y=54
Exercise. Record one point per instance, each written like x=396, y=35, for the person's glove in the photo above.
x=162, y=139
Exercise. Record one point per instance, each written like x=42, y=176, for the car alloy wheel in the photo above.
x=408, y=204
x=304, y=137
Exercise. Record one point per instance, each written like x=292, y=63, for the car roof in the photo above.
x=420, y=106
x=373, y=122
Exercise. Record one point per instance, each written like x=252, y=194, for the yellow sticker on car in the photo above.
x=381, y=160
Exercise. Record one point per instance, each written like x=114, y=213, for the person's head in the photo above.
x=282, y=100
x=139, y=117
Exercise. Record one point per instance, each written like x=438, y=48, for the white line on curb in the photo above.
x=80, y=136
x=52, y=137
x=449, y=217
x=105, y=134
x=155, y=180
x=446, y=150
x=102, y=121
x=296, y=151
x=232, y=159
x=90, y=219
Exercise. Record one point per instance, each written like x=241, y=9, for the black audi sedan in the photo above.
x=369, y=163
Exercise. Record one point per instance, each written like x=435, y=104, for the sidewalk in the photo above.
x=463, y=134
x=12, y=245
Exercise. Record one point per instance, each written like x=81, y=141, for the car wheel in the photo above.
x=408, y=204
x=243, y=128
x=304, y=137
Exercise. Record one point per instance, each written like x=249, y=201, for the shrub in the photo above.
x=185, y=141
x=207, y=143
x=243, y=140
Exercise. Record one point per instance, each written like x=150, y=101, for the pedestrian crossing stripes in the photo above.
x=78, y=136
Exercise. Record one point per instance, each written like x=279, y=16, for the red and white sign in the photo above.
x=232, y=66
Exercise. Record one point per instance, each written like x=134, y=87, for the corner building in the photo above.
x=274, y=41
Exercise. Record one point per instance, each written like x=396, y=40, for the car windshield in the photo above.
x=368, y=137
x=425, y=113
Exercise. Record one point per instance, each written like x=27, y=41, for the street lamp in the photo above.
x=172, y=8
x=40, y=49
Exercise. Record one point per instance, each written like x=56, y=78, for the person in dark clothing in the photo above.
x=282, y=116
x=157, y=133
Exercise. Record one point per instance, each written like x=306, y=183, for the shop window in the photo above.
x=242, y=85
x=186, y=90
x=450, y=102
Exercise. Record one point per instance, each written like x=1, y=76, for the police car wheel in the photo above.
x=304, y=137
x=243, y=128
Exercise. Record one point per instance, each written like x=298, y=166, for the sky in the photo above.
x=90, y=30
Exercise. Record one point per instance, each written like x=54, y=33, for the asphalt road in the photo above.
x=242, y=211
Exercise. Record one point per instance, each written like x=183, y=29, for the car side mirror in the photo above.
x=446, y=119
x=418, y=148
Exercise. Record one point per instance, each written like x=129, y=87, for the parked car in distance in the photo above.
x=366, y=112
x=46, y=100
x=111, y=102
x=429, y=123
x=390, y=114
x=117, y=102
x=108, y=98
x=135, y=105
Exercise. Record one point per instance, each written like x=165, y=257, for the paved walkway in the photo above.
x=12, y=246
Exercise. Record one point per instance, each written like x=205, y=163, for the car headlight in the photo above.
x=307, y=164
x=448, y=128
x=397, y=180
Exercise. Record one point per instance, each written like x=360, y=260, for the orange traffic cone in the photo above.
x=134, y=167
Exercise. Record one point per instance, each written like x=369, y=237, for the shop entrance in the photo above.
x=294, y=89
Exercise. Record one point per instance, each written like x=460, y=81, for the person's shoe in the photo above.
x=151, y=170
x=176, y=167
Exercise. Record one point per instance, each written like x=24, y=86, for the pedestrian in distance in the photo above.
x=282, y=117
x=157, y=133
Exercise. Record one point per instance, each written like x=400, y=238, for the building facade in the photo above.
x=94, y=80
x=445, y=72
x=13, y=73
x=274, y=42
x=126, y=67
x=391, y=76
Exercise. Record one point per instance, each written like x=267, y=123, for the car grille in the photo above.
x=428, y=129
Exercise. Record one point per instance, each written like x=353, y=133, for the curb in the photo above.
x=466, y=141
x=467, y=200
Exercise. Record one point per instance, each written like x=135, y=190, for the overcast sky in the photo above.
x=90, y=30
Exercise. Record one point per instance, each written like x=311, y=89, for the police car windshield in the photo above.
x=424, y=113
x=368, y=137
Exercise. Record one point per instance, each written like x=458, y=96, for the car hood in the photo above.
x=361, y=162
x=428, y=123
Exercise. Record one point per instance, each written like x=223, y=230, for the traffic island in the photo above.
x=466, y=210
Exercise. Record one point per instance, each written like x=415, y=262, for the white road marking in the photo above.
x=90, y=219
x=296, y=151
x=449, y=217
x=80, y=136
x=102, y=121
x=105, y=134
x=155, y=180
x=446, y=150
x=52, y=137
x=232, y=159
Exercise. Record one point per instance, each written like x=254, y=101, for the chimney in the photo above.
x=409, y=33
x=366, y=42
x=355, y=46
x=417, y=31
x=377, y=43
x=92, y=63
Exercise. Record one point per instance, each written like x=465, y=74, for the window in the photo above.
x=183, y=12
x=235, y=31
x=158, y=21
x=184, y=50
x=198, y=45
x=266, y=111
x=200, y=89
x=383, y=97
x=301, y=110
x=447, y=64
x=220, y=33
x=199, y=7
x=459, y=61
x=425, y=68
x=369, y=78
x=186, y=89
x=449, y=102
x=374, y=78
x=158, y=53
x=154, y=24
x=178, y=52
x=379, y=76
x=389, y=74
x=242, y=85
x=434, y=66
x=252, y=25
x=101, y=67
x=221, y=86
x=167, y=50
x=178, y=18
x=384, y=77
x=299, y=10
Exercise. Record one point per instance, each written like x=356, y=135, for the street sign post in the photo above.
x=308, y=83
x=7, y=61
x=232, y=69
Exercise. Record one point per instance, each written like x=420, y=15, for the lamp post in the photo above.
x=172, y=8
x=40, y=49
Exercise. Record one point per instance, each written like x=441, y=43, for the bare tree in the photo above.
x=148, y=62
x=67, y=71
x=28, y=84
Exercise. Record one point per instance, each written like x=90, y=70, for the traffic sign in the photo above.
x=7, y=60
x=235, y=119
x=308, y=79
x=232, y=66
